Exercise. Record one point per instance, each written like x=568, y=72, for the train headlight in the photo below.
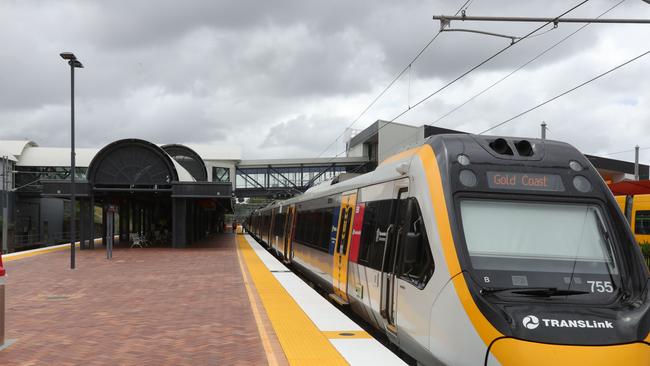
x=467, y=178
x=581, y=183
x=575, y=166
x=463, y=159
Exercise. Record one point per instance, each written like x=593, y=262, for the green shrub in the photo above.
x=645, y=249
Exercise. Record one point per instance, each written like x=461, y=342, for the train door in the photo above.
x=341, y=249
x=288, y=233
x=387, y=304
x=278, y=226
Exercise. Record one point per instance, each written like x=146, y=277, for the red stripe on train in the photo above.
x=357, y=225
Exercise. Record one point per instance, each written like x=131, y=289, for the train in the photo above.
x=475, y=250
x=640, y=216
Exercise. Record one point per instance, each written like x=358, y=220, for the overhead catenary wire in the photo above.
x=566, y=92
x=485, y=61
x=473, y=69
x=626, y=151
x=554, y=27
x=470, y=70
x=392, y=82
x=522, y=66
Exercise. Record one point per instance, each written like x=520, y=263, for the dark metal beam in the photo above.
x=448, y=18
x=237, y=169
x=282, y=175
x=311, y=181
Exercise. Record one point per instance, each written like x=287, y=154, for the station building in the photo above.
x=177, y=193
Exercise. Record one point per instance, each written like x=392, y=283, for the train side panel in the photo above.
x=640, y=222
x=313, y=241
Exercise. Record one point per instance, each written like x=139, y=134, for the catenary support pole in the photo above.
x=636, y=162
x=5, y=205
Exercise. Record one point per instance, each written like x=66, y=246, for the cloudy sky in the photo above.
x=285, y=78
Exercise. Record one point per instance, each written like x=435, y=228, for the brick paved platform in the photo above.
x=148, y=306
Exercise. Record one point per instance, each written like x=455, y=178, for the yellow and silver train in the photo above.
x=640, y=216
x=472, y=250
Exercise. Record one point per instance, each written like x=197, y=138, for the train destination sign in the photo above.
x=525, y=181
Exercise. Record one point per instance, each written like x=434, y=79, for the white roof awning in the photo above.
x=56, y=157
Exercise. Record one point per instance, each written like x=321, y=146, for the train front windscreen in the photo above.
x=524, y=250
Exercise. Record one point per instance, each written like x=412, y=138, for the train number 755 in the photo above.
x=601, y=286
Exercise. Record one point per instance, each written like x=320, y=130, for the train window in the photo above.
x=326, y=229
x=377, y=218
x=642, y=222
x=416, y=261
x=313, y=228
x=278, y=225
x=368, y=232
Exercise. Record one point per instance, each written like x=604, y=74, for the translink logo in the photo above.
x=532, y=322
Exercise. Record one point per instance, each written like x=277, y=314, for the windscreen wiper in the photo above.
x=534, y=291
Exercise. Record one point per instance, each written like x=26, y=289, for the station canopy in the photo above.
x=630, y=187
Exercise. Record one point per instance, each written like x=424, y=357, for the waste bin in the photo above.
x=2, y=303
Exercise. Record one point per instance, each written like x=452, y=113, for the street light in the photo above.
x=5, y=198
x=74, y=63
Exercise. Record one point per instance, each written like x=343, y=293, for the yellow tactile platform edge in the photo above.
x=20, y=255
x=302, y=342
x=37, y=252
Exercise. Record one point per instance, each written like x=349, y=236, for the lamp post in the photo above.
x=5, y=198
x=74, y=63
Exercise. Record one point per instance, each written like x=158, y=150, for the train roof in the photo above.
x=506, y=149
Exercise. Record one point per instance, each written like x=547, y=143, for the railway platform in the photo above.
x=225, y=301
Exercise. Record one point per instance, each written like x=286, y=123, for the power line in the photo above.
x=567, y=91
x=399, y=75
x=625, y=151
x=486, y=61
x=476, y=67
x=523, y=65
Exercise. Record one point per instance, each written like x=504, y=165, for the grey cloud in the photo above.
x=237, y=72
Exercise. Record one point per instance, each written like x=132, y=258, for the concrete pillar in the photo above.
x=179, y=222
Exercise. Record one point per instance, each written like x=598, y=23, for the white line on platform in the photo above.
x=326, y=317
x=366, y=351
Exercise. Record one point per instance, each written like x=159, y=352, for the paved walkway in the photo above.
x=147, y=306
